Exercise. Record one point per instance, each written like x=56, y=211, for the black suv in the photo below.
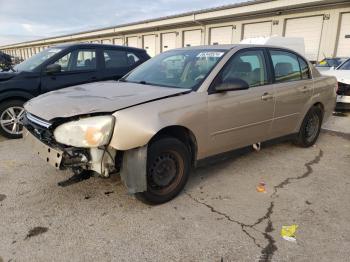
x=58, y=67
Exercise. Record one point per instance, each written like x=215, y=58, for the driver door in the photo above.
x=78, y=67
x=239, y=118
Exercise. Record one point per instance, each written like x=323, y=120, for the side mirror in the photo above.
x=231, y=84
x=332, y=68
x=53, y=68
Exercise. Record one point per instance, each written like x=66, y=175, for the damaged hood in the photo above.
x=99, y=97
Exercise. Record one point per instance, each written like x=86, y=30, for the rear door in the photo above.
x=293, y=88
x=79, y=66
x=118, y=62
x=242, y=117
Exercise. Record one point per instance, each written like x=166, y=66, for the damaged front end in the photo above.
x=40, y=135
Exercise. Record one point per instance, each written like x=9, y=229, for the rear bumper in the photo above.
x=343, y=103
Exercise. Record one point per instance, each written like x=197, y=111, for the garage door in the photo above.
x=168, y=41
x=132, y=41
x=263, y=29
x=344, y=36
x=149, y=44
x=106, y=41
x=118, y=41
x=193, y=37
x=310, y=28
x=221, y=35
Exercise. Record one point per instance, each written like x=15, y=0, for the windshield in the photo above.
x=37, y=59
x=345, y=65
x=329, y=62
x=178, y=68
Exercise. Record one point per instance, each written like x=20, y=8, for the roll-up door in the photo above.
x=168, y=41
x=310, y=28
x=118, y=41
x=343, y=48
x=221, y=35
x=262, y=29
x=192, y=37
x=132, y=41
x=149, y=44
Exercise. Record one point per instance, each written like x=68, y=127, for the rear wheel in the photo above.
x=11, y=116
x=168, y=168
x=310, y=128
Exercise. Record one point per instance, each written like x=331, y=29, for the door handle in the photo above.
x=266, y=96
x=93, y=78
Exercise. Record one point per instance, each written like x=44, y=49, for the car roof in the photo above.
x=229, y=47
x=82, y=45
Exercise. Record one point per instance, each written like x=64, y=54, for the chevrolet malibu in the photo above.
x=180, y=107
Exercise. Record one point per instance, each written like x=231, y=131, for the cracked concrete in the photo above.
x=219, y=217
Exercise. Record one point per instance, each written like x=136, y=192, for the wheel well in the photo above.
x=320, y=105
x=184, y=135
x=21, y=98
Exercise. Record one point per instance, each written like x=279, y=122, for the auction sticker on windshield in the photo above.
x=210, y=54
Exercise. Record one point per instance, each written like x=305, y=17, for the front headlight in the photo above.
x=87, y=132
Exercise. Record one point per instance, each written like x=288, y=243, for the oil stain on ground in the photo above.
x=36, y=231
x=2, y=197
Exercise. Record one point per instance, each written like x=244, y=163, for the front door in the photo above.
x=243, y=117
x=78, y=67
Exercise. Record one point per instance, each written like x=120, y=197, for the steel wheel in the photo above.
x=11, y=120
x=164, y=170
x=312, y=126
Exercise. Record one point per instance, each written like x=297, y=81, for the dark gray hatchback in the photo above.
x=58, y=67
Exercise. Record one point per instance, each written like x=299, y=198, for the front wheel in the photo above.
x=168, y=168
x=11, y=115
x=310, y=128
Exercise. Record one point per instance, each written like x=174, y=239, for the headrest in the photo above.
x=282, y=69
x=244, y=67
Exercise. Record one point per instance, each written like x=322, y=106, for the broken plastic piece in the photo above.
x=288, y=232
x=261, y=187
x=257, y=146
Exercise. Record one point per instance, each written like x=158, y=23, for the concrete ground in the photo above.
x=219, y=217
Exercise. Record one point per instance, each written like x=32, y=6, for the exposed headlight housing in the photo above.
x=88, y=132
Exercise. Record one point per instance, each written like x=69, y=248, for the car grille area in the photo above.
x=39, y=128
x=343, y=89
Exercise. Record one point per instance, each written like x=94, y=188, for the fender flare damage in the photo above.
x=134, y=170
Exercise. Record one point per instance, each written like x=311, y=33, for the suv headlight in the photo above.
x=87, y=132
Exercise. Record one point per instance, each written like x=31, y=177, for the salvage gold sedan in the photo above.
x=180, y=107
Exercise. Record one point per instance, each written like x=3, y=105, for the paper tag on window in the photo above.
x=210, y=54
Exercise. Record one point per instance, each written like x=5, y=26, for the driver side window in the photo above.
x=248, y=66
x=64, y=62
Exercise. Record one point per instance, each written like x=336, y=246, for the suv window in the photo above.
x=119, y=59
x=286, y=66
x=78, y=60
x=249, y=66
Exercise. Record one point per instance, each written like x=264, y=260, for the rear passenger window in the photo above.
x=119, y=58
x=249, y=66
x=305, y=71
x=286, y=66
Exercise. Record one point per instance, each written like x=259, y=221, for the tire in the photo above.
x=310, y=128
x=11, y=113
x=171, y=158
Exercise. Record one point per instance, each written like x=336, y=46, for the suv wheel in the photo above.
x=168, y=168
x=310, y=128
x=11, y=115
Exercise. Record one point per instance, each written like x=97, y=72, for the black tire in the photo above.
x=4, y=129
x=168, y=169
x=310, y=128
